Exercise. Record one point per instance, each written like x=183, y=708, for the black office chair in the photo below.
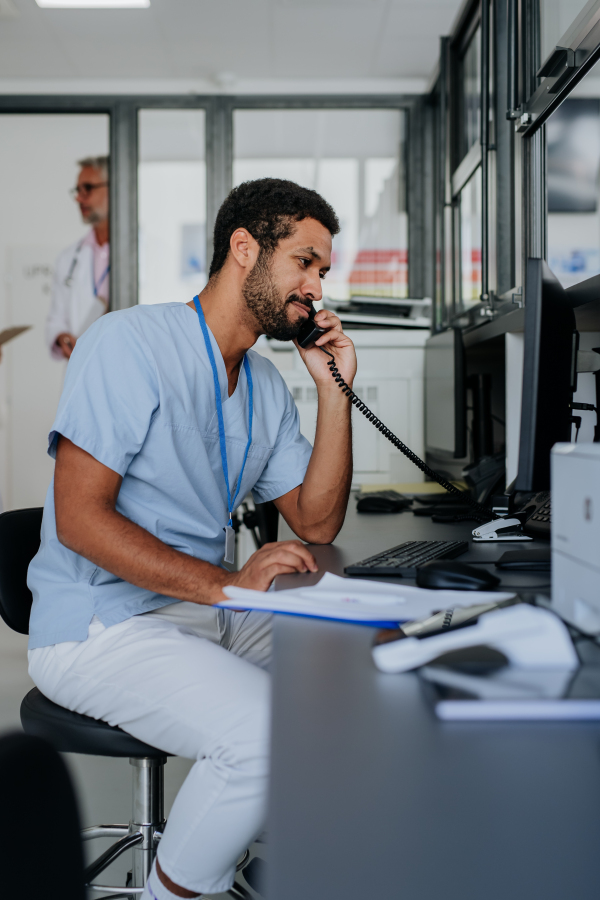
x=37, y=794
x=71, y=732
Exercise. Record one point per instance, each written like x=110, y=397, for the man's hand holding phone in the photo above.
x=335, y=342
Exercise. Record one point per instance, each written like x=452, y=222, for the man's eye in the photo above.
x=322, y=275
x=306, y=262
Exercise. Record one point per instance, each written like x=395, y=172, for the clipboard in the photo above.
x=9, y=333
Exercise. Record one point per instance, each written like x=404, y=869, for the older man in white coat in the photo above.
x=81, y=276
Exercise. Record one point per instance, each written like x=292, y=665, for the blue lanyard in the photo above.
x=102, y=280
x=211, y=356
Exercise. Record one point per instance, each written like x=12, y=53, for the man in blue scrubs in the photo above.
x=167, y=420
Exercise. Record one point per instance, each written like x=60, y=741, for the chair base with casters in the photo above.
x=71, y=732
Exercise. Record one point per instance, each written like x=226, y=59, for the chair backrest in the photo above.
x=268, y=521
x=19, y=542
x=39, y=828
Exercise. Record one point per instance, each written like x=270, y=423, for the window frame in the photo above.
x=123, y=110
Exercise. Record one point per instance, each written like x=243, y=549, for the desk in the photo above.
x=364, y=534
x=372, y=798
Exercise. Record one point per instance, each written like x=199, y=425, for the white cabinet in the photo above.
x=389, y=380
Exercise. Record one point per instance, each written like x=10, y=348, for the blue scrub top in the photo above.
x=139, y=397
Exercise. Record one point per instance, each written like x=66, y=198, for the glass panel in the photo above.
x=470, y=241
x=172, y=205
x=573, y=140
x=355, y=159
x=44, y=281
x=471, y=94
x=556, y=17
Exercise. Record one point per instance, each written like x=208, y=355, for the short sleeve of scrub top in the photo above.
x=110, y=395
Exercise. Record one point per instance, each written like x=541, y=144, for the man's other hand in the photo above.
x=66, y=342
x=282, y=558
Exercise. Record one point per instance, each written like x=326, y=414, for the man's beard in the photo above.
x=93, y=217
x=265, y=302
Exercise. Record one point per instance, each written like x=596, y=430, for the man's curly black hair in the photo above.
x=268, y=209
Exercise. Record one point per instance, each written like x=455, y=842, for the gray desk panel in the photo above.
x=373, y=798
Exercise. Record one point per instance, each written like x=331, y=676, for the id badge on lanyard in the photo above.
x=229, y=556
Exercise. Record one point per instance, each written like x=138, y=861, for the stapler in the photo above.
x=509, y=529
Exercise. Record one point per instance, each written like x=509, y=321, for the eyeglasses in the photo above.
x=86, y=189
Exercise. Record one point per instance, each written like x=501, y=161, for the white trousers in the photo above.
x=189, y=680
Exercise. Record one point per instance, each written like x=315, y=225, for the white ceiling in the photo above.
x=231, y=45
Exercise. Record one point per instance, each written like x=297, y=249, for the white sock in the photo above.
x=155, y=889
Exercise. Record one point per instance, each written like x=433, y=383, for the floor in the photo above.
x=103, y=785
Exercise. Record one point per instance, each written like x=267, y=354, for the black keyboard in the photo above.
x=406, y=558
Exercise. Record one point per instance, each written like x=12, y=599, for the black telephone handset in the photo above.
x=307, y=335
x=310, y=331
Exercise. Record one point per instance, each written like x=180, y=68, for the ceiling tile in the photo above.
x=332, y=44
x=409, y=46
x=205, y=38
x=288, y=39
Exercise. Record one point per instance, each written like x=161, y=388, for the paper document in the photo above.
x=356, y=600
x=9, y=333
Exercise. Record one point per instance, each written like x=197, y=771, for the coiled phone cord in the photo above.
x=385, y=431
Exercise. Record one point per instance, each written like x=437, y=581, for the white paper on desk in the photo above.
x=356, y=600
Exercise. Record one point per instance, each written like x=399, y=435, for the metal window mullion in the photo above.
x=429, y=192
x=219, y=161
x=512, y=59
x=534, y=160
x=484, y=140
x=505, y=58
x=534, y=154
x=444, y=150
x=414, y=180
x=530, y=48
x=123, y=205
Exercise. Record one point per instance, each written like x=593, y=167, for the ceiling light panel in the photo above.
x=93, y=4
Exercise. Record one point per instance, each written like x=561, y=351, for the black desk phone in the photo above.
x=308, y=334
x=538, y=515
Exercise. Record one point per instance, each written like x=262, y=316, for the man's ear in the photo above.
x=244, y=248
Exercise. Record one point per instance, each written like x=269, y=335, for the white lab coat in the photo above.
x=73, y=307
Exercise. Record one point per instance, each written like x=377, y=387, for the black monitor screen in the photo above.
x=548, y=375
x=445, y=402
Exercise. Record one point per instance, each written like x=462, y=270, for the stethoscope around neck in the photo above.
x=74, y=263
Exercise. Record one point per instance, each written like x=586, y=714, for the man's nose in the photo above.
x=312, y=288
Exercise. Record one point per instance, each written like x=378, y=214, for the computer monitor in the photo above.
x=445, y=395
x=549, y=371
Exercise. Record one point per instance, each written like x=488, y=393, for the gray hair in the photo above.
x=96, y=162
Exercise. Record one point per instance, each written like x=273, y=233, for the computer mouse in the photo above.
x=382, y=502
x=450, y=575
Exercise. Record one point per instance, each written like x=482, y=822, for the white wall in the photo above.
x=38, y=155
